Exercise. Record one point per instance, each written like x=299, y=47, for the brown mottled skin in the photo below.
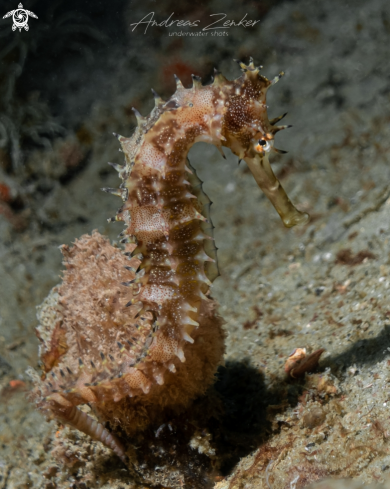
x=176, y=340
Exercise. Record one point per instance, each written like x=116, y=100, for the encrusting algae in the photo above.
x=134, y=332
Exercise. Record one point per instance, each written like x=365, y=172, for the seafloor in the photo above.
x=324, y=285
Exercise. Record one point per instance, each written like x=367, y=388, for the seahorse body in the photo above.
x=164, y=214
x=168, y=236
x=225, y=113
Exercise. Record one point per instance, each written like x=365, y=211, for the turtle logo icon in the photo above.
x=20, y=17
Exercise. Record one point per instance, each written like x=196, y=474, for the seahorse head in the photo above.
x=248, y=132
x=229, y=113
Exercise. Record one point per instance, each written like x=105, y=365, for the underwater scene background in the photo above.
x=69, y=82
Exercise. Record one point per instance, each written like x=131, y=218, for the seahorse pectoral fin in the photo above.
x=270, y=185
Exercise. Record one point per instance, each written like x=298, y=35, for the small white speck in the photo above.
x=230, y=187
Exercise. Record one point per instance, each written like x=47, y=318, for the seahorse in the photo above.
x=168, y=238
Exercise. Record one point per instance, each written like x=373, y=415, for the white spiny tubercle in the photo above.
x=204, y=297
x=179, y=85
x=197, y=82
x=172, y=368
x=119, y=168
x=187, y=337
x=200, y=217
x=202, y=256
x=157, y=99
x=119, y=137
x=202, y=277
x=187, y=307
x=140, y=118
x=180, y=355
x=277, y=78
x=159, y=378
x=190, y=321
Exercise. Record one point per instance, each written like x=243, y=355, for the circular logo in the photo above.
x=20, y=19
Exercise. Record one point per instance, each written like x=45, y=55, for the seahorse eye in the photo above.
x=263, y=146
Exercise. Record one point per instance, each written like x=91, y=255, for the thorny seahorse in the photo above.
x=170, y=234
